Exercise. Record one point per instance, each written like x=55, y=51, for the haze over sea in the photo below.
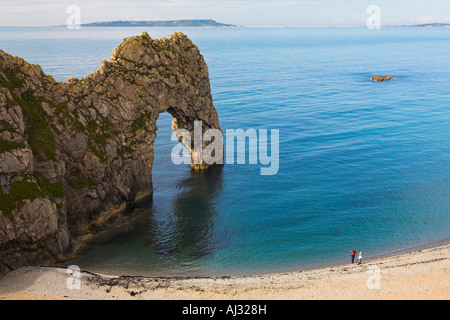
x=363, y=165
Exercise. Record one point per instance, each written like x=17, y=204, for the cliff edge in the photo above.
x=74, y=154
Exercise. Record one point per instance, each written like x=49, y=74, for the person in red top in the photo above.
x=353, y=253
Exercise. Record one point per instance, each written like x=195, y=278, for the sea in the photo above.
x=362, y=165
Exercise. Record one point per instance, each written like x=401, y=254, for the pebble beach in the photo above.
x=422, y=274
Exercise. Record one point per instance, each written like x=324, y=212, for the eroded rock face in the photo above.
x=73, y=154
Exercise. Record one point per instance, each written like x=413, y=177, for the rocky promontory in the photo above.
x=382, y=78
x=74, y=154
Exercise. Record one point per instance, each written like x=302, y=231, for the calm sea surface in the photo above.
x=363, y=165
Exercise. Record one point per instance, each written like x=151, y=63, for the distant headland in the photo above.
x=426, y=25
x=437, y=25
x=166, y=23
x=213, y=23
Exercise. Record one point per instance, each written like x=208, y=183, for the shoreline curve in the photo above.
x=418, y=274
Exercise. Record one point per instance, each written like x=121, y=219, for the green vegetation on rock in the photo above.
x=78, y=182
x=29, y=189
x=40, y=136
x=60, y=107
x=140, y=122
x=19, y=192
x=6, y=126
x=52, y=190
x=98, y=132
x=126, y=149
x=7, y=146
x=159, y=47
x=11, y=80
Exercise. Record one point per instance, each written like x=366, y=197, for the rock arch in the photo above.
x=79, y=151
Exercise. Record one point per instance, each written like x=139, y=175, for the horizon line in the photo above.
x=426, y=25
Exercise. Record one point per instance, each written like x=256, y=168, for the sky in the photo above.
x=239, y=12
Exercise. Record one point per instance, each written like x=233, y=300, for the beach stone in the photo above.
x=83, y=149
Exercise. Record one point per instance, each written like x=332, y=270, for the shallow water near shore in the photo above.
x=363, y=165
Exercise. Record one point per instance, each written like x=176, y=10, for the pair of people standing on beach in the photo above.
x=353, y=253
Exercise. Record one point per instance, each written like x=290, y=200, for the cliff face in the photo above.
x=73, y=154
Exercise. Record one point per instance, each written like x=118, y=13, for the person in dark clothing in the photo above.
x=353, y=253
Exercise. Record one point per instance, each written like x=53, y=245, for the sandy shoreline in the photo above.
x=422, y=274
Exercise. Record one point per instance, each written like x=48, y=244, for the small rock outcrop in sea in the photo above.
x=74, y=154
x=379, y=79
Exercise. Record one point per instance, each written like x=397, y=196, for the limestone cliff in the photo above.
x=73, y=154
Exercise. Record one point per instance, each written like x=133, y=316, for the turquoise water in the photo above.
x=363, y=165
